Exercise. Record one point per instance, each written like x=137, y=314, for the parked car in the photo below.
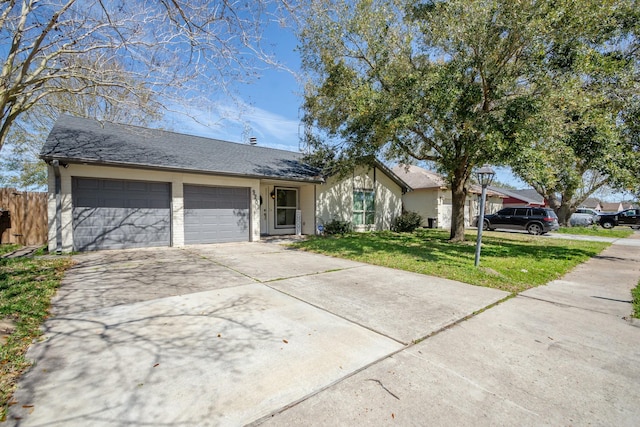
x=533, y=220
x=584, y=217
x=630, y=217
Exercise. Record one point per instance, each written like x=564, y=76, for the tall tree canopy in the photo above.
x=458, y=82
x=592, y=140
x=125, y=53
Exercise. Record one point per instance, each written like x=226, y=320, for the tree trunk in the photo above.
x=564, y=215
x=559, y=208
x=458, y=200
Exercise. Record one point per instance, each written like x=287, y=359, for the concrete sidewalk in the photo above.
x=562, y=354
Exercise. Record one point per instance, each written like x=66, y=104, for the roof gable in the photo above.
x=419, y=178
x=529, y=196
x=611, y=206
x=592, y=203
x=74, y=139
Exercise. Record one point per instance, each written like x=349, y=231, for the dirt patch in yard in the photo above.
x=7, y=326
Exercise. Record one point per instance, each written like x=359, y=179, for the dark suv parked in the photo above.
x=533, y=220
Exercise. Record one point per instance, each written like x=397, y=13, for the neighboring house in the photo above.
x=526, y=197
x=431, y=198
x=591, y=203
x=611, y=207
x=116, y=186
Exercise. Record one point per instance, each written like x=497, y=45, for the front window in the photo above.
x=364, y=207
x=286, y=205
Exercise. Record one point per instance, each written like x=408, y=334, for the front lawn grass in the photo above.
x=635, y=296
x=26, y=288
x=509, y=261
x=596, y=230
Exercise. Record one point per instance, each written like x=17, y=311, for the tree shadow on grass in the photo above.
x=512, y=264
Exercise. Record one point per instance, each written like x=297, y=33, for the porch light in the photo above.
x=484, y=176
x=273, y=194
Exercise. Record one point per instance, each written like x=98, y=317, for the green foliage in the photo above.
x=597, y=230
x=6, y=248
x=407, y=222
x=586, y=141
x=26, y=288
x=337, y=226
x=460, y=83
x=635, y=295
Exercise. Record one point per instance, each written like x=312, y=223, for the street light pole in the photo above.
x=485, y=176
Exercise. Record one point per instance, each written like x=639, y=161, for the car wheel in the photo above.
x=607, y=224
x=534, y=229
x=485, y=225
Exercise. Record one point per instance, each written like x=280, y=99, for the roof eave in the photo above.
x=48, y=158
x=394, y=177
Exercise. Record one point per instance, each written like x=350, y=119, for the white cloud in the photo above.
x=233, y=122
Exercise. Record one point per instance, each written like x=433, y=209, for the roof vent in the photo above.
x=253, y=140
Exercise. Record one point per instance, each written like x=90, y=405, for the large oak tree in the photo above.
x=591, y=140
x=459, y=83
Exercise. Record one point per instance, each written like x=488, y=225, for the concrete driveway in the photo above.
x=221, y=334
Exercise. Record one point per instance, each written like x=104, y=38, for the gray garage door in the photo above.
x=119, y=214
x=216, y=214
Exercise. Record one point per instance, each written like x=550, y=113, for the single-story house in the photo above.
x=431, y=198
x=526, y=197
x=591, y=203
x=611, y=206
x=117, y=186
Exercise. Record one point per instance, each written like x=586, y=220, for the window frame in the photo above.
x=366, y=213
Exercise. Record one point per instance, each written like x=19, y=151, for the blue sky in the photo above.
x=269, y=108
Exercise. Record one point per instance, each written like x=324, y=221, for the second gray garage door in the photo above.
x=216, y=214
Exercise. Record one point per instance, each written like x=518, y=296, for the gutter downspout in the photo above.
x=58, y=191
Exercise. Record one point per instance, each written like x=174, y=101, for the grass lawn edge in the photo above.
x=27, y=286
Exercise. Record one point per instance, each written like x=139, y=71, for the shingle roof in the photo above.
x=74, y=139
x=529, y=195
x=590, y=202
x=419, y=178
x=611, y=206
x=477, y=189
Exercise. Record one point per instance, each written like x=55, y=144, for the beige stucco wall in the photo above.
x=334, y=199
x=424, y=202
x=177, y=180
x=435, y=203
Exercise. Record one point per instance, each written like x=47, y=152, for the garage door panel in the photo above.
x=86, y=184
x=117, y=214
x=113, y=185
x=216, y=214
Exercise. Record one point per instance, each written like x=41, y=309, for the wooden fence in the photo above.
x=28, y=212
